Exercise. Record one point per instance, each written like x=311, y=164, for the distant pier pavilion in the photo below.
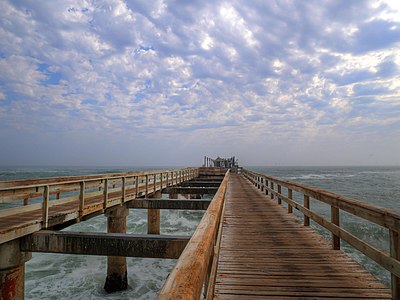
x=248, y=244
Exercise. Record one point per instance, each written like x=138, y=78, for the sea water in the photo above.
x=60, y=276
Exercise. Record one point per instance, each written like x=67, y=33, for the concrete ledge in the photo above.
x=109, y=244
x=169, y=204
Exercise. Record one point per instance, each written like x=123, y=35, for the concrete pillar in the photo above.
x=153, y=217
x=12, y=270
x=116, y=265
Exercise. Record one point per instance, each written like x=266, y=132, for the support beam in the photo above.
x=153, y=217
x=117, y=271
x=95, y=243
x=169, y=204
x=12, y=270
x=192, y=190
x=195, y=183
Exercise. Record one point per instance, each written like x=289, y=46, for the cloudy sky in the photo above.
x=313, y=82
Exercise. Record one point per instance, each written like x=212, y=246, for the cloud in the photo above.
x=220, y=73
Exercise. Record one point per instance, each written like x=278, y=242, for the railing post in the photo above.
x=81, y=198
x=272, y=188
x=395, y=253
x=335, y=219
x=306, y=205
x=136, y=186
x=123, y=192
x=105, y=193
x=147, y=186
x=154, y=183
x=290, y=196
x=279, y=192
x=46, y=198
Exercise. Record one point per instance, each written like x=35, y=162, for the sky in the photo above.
x=155, y=83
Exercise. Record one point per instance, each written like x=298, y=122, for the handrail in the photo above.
x=106, y=192
x=186, y=280
x=384, y=217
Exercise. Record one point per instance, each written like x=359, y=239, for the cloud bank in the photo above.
x=166, y=82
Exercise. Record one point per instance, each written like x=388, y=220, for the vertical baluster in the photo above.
x=290, y=196
x=147, y=186
x=279, y=192
x=136, y=186
x=306, y=205
x=272, y=192
x=105, y=193
x=395, y=253
x=123, y=190
x=81, y=198
x=335, y=219
x=46, y=198
x=154, y=183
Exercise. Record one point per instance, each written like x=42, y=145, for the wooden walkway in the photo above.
x=266, y=253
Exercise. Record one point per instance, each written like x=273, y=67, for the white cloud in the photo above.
x=243, y=70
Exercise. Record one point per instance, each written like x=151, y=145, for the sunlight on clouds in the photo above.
x=216, y=70
x=207, y=43
x=237, y=23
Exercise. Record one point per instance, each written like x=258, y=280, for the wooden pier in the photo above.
x=247, y=245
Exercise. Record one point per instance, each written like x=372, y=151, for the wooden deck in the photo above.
x=266, y=253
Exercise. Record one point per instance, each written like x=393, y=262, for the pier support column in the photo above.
x=12, y=271
x=153, y=217
x=116, y=265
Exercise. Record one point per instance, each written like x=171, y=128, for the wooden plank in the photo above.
x=379, y=215
x=266, y=253
x=115, y=244
x=187, y=278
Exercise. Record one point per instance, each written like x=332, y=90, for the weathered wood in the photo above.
x=335, y=219
x=153, y=218
x=381, y=216
x=81, y=199
x=198, y=183
x=169, y=204
x=267, y=254
x=187, y=278
x=307, y=206
x=192, y=190
x=18, y=221
x=46, y=199
x=372, y=252
x=96, y=243
x=290, y=196
x=395, y=253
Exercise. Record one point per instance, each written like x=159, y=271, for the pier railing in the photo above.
x=88, y=194
x=381, y=216
x=197, y=264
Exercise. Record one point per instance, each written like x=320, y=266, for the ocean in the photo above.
x=59, y=276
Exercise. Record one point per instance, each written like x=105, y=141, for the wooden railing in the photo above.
x=197, y=264
x=91, y=193
x=381, y=216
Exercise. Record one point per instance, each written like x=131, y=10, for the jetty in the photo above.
x=248, y=245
